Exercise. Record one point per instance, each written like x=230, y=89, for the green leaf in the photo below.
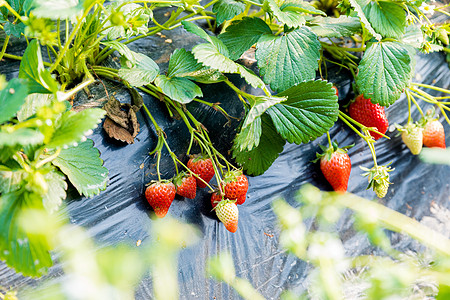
x=291, y=18
x=32, y=103
x=32, y=68
x=22, y=136
x=143, y=72
x=71, y=127
x=248, y=137
x=286, y=60
x=122, y=49
x=387, y=18
x=57, y=9
x=57, y=187
x=204, y=75
x=10, y=181
x=413, y=36
x=335, y=27
x=182, y=62
x=260, y=158
x=242, y=34
x=179, y=89
x=227, y=9
x=26, y=252
x=384, y=72
x=12, y=98
x=259, y=106
x=311, y=109
x=358, y=9
x=300, y=6
x=14, y=29
x=84, y=168
x=218, y=44
x=211, y=57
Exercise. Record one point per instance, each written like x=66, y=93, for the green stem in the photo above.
x=48, y=159
x=5, y=44
x=329, y=138
x=431, y=87
x=411, y=98
x=408, y=96
x=8, y=7
x=328, y=46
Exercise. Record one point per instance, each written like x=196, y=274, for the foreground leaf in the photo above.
x=290, y=18
x=22, y=136
x=384, y=72
x=143, y=72
x=26, y=252
x=286, y=60
x=249, y=136
x=32, y=103
x=32, y=68
x=57, y=187
x=181, y=62
x=335, y=27
x=122, y=49
x=311, y=109
x=57, y=9
x=12, y=98
x=227, y=9
x=260, y=158
x=72, y=126
x=242, y=34
x=84, y=168
x=387, y=18
x=356, y=4
x=179, y=89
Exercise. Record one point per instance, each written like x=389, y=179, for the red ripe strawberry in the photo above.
x=433, y=134
x=203, y=167
x=215, y=198
x=336, y=166
x=337, y=91
x=160, y=196
x=236, y=186
x=186, y=185
x=228, y=214
x=369, y=114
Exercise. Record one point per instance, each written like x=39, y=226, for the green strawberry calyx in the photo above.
x=231, y=176
x=178, y=179
x=327, y=152
x=410, y=128
x=223, y=203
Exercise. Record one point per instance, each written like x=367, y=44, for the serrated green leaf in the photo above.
x=290, y=18
x=335, y=27
x=57, y=9
x=248, y=137
x=205, y=75
x=71, y=127
x=208, y=55
x=12, y=98
x=28, y=253
x=179, y=89
x=10, y=180
x=260, y=158
x=122, y=49
x=57, y=187
x=311, y=109
x=300, y=6
x=84, y=168
x=358, y=9
x=32, y=68
x=286, y=60
x=259, y=106
x=387, y=18
x=413, y=36
x=181, y=62
x=143, y=72
x=384, y=72
x=22, y=136
x=14, y=29
x=242, y=34
x=218, y=44
x=227, y=9
x=32, y=103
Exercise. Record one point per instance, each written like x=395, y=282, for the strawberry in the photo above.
x=337, y=91
x=378, y=179
x=236, y=186
x=370, y=115
x=215, y=198
x=228, y=214
x=336, y=166
x=433, y=134
x=412, y=136
x=160, y=195
x=186, y=185
x=203, y=167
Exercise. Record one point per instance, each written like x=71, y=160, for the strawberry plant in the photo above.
x=293, y=43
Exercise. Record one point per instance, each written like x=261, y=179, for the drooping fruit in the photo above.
x=160, y=195
x=412, y=136
x=371, y=115
x=235, y=186
x=203, y=167
x=336, y=166
x=228, y=214
x=186, y=185
x=434, y=135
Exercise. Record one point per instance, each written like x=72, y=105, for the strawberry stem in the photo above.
x=373, y=129
x=329, y=138
x=408, y=96
x=431, y=87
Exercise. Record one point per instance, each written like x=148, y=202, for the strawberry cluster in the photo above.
x=160, y=194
